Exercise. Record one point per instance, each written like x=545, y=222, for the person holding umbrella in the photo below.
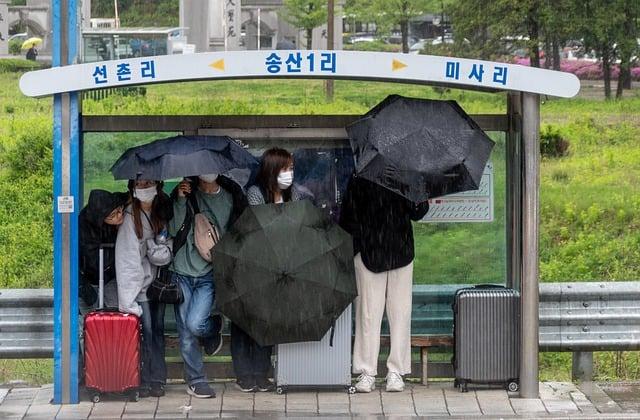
x=380, y=223
x=274, y=184
x=137, y=261
x=221, y=200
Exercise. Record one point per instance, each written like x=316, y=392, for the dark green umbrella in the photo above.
x=284, y=272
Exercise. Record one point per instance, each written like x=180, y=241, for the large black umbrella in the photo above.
x=420, y=148
x=284, y=272
x=182, y=156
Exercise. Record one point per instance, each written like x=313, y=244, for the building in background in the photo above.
x=219, y=25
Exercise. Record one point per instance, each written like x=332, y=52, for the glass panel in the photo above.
x=100, y=152
x=468, y=252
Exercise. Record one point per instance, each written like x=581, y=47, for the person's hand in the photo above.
x=184, y=188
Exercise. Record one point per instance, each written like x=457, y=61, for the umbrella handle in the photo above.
x=333, y=330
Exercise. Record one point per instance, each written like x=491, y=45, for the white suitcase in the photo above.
x=316, y=363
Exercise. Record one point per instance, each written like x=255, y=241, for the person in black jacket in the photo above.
x=380, y=222
x=98, y=224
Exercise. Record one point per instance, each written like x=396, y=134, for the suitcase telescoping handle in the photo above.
x=101, y=274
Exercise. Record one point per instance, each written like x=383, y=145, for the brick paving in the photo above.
x=438, y=400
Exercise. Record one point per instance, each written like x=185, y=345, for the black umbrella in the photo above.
x=420, y=148
x=284, y=272
x=182, y=156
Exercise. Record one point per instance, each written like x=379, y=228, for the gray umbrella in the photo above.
x=420, y=148
x=182, y=156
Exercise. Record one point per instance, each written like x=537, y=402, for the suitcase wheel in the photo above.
x=134, y=396
x=95, y=398
x=281, y=390
x=351, y=389
x=513, y=386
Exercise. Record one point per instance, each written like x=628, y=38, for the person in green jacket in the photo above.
x=221, y=200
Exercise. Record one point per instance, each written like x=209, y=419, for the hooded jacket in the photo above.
x=93, y=232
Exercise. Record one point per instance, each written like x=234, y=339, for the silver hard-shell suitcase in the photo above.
x=486, y=336
x=317, y=363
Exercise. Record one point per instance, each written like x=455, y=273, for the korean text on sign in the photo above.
x=475, y=72
x=123, y=72
x=296, y=62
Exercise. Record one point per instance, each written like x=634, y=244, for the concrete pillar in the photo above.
x=232, y=24
x=4, y=27
x=582, y=366
x=319, y=41
x=86, y=13
x=194, y=15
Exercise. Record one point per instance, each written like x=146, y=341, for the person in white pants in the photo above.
x=380, y=223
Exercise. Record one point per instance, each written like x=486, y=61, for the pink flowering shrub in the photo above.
x=585, y=70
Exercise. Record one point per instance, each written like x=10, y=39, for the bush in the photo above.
x=552, y=143
x=18, y=65
x=15, y=47
x=29, y=150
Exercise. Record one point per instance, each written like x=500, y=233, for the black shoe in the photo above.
x=263, y=384
x=201, y=390
x=157, y=390
x=246, y=384
x=144, y=392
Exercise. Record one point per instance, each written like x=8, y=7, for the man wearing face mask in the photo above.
x=221, y=200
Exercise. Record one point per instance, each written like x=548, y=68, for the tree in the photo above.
x=388, y=14
x=306, y=15
x=602, y=27
x=627, y=46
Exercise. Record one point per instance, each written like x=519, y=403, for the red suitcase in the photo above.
x=111, y=349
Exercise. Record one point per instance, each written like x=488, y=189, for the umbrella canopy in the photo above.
x=182, y=156
x=420, y=148
x=31, y=42
x=284, y=272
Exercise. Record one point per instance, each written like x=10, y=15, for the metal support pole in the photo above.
x=330, y=36
x=67, y=199
x=530, y=223
x=582, y=366
x=514, y=190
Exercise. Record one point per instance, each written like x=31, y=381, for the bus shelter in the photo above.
x=66, y=80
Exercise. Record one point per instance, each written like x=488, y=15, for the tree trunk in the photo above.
x=625, y=70
x=556, y=53
x=534, y=33
x=606, y=70
x=404, y=29
x=547, y=50
x=309, y=37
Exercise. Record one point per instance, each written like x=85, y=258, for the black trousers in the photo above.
x=249, y=358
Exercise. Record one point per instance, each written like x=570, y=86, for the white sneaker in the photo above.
x=394, y=382
x=366, y=383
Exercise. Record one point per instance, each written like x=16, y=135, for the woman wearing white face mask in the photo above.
x=274, y=184
x=136, y=266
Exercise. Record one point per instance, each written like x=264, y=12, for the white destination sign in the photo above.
x=469, y=206
x=300, y=64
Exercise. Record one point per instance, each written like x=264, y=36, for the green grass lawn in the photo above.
x=590, y=201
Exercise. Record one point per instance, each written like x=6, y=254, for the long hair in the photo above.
x=160, y=201
x=273, y=161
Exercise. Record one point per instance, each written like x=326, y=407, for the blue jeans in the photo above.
x=193, y=322
x=154, y=368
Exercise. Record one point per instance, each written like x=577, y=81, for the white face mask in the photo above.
x=208, y=177
x=285, y=179
x=146, y=195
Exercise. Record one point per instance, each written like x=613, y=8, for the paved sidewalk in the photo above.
x=438, y=400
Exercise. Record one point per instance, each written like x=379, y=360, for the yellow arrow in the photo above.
x=397, y=65
x=218, y=64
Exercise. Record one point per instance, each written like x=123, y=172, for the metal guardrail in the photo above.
x=577, y=317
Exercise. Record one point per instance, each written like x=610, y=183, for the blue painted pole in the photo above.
x=67, y=200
